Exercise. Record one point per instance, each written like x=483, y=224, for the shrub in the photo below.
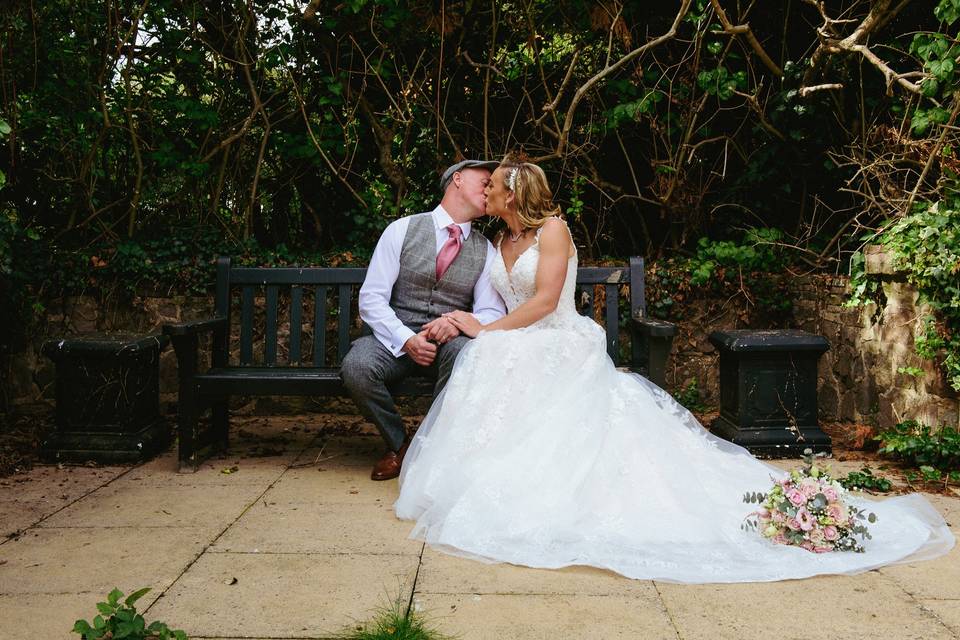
x=120, y=620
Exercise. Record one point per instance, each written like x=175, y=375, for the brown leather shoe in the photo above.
x=388, y=467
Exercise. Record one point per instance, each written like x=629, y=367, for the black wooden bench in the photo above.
x=282, y=345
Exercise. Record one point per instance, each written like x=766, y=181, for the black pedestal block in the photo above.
x=768, y=391
x=108, y=395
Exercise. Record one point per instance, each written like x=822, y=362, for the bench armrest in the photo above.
x=654, y=328
x=652, y=341
x=194, y=327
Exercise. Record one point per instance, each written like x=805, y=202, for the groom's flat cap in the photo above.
x=465, y=164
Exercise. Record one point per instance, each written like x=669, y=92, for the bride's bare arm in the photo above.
x=551, y=272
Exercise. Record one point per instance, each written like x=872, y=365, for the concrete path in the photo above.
x=301, y=544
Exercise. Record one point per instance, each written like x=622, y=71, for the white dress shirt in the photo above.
x=384, y=269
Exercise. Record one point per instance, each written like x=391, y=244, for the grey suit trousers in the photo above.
x=369, y=367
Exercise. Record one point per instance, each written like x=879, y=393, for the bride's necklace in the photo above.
x=516, y=238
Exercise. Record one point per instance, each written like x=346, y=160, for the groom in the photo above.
x=424, y=265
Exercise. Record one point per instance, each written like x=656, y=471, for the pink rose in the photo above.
x=822, y=549
x=809, y=487
x=778, y=517
x=838, y=512
x=806, y=544
x=793, y=524
x=830, y=494
x=805, y=519
x=796, y=497
x=830, y=532
x=816, y=536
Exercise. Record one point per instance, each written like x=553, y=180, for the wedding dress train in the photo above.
x=539, y=452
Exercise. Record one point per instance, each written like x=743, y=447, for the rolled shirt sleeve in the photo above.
x=377, y=289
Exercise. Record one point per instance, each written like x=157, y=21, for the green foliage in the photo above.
x=938, y=52
x=920, y=446
x=866, y=480
x=759, y=251
x=690, y=397
x=913, y=372
x=119, y=619
x=181, y=262
x=752, y=267
x=395, y=622
x=926, y=245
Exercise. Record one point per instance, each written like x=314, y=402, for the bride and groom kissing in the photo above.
x=536, y=450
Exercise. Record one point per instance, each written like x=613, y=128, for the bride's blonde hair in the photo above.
x=532, y=194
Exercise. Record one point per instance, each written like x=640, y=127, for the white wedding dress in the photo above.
x=539, y=452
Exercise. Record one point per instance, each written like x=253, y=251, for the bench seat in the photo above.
x=280, y=331
x=291, y=381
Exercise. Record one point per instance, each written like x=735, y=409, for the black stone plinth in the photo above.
x=768, y=391
x=108, y=398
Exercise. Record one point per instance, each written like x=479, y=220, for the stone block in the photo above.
x=878, y=261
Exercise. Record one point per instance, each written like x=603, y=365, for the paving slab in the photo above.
x=310, y=527
x=444, y=574
x=827, y=607
x=49, y=617
x=342, y=485
x=95, y=560
x=947, y=611
x=934, y=579
x=230, y=469
x=348, y=450
x=134, y=504
x=545, y=617
x=27, y=498
x=282, y=595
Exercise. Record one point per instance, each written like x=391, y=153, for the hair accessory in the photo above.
x=512, y=179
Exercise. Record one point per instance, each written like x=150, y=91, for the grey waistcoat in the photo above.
x=417, y=295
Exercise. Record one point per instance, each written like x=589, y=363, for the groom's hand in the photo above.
x=441, y=330
x=421, y=350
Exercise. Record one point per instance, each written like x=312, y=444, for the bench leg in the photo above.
x=188, y=401
x=221, y=422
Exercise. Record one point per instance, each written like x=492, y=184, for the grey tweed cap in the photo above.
x=465, y=164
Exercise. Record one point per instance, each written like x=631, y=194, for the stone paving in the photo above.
x=301, y=544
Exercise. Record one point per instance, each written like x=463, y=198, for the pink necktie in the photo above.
x=449, y=250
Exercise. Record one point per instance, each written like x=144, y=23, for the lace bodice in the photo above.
x=520, y=284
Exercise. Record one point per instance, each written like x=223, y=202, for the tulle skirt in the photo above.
x=539, y=452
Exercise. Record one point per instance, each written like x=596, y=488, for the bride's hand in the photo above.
x=466, y=322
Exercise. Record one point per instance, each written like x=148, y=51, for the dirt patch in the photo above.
x=20, y=438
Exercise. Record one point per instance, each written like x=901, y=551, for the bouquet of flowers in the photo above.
x=808, y=509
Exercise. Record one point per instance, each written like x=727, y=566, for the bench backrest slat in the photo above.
x=221, y=338
x=638, y=292
x=275, y=284
x=343, y=321
x=270, y=329
x=320, y=326
x=296, y=323
x=612, y=292
x=246, y=325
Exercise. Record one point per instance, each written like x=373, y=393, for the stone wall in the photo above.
x=859, y=378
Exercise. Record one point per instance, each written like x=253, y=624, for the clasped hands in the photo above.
x=422, y=348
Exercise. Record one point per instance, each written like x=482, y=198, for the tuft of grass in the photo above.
x=395, y=622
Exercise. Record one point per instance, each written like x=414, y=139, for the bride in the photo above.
x=539, y=452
